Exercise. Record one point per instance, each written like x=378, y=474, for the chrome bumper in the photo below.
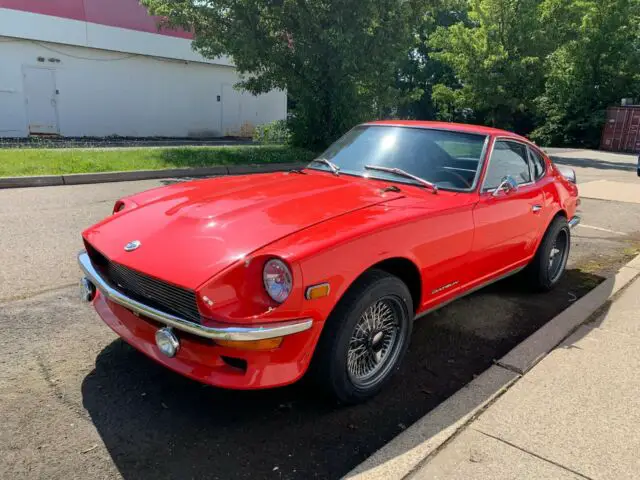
x=574, y=222
x=235, y=333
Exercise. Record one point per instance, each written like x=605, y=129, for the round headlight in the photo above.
x=277, y=280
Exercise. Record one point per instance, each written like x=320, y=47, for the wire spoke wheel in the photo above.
x=373, y=347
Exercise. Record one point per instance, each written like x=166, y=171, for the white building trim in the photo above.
x=47, y=28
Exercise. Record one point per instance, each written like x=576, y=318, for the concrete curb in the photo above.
x=406, y=452
x=524, y=356
x=104, y=177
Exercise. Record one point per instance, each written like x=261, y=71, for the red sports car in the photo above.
x=250, y=282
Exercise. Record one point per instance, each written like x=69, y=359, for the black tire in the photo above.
x=330, y=366
x=543, y=274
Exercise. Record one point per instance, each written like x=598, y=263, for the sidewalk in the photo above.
x=574, y=415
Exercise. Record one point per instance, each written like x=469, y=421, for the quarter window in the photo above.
x=508, y=158
x=537, y=163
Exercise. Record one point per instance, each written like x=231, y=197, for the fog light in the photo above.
x=167, y=342
x=87, y=290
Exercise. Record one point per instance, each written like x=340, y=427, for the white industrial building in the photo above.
x=80, y=68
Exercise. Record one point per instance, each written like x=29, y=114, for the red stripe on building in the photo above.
x=127, y=14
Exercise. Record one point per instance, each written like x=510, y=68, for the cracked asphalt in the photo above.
x=77, y=402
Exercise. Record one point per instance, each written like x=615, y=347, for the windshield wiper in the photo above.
x=334, y=168
x=403, y=173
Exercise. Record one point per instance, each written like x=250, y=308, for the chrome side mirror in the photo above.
x=567, y=172
x=507, y=185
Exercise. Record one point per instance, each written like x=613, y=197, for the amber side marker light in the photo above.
x=265, y=344
x=317, y=291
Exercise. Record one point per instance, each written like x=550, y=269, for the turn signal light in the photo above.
x=317, y=291
x=266, y=344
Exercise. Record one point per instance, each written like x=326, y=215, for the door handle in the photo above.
x=536, y=208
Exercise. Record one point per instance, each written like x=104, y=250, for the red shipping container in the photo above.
x=621, y=132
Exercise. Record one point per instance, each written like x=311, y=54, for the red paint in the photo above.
x=72, y=9
x=127, y=14
x=215, y=235
x=201, y=359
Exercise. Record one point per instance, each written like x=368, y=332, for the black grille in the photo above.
x=145, y=289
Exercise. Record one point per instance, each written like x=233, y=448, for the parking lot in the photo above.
x=76, y=402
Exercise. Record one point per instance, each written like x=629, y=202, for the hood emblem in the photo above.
x=131, y=246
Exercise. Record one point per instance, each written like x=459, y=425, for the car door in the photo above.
x=506, y=221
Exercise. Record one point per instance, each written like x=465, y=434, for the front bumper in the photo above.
x=222, y=332
x=574, y=222
x=199, y=357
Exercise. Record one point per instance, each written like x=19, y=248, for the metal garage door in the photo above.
x=41, y=99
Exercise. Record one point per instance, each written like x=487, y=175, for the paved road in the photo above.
x=41, y=228
x=76, y=402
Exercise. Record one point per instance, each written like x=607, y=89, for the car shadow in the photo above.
x=592, y=163
x=157, y=424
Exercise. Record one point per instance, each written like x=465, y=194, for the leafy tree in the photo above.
x=498, y=60
x=338, y=59
x=420, y=71
x=597, y=67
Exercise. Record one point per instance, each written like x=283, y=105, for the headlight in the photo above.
x=277, y=280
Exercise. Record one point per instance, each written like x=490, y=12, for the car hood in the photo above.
x=189, y=232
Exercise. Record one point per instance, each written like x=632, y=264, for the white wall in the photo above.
x=105, y=93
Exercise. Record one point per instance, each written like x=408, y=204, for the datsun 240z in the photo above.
x=249, y=282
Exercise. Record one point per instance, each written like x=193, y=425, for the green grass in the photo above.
x=17, y=162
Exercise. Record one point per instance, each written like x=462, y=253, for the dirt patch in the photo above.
x=606, y=264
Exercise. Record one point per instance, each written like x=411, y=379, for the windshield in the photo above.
x=450, y=160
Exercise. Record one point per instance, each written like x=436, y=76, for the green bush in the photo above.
x=276, y=132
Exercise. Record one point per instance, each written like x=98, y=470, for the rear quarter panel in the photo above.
x=560, y=195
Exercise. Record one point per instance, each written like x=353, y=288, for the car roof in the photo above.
x=456, y=127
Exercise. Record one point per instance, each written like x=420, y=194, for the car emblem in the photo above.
x=131, y=246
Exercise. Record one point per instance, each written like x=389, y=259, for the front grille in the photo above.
x=145, y=289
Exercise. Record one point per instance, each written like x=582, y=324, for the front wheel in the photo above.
x=550, y=260
x=365, y=338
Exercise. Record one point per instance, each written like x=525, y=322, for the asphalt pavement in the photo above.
x=76, y=402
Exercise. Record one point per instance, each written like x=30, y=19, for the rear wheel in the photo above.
x=364, y=338
x=550, y=261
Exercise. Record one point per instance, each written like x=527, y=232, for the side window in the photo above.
x=538, y=164
x=507, y=158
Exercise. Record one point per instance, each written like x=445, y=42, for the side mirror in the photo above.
x=507, y=185
x=567, y=172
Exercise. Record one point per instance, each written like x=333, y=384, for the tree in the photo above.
x=420, y=70
x=597, y=67
x=498, y=59
x=338, y=59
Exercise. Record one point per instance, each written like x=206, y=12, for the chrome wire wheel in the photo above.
x=558, y=255
x=375, y=342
